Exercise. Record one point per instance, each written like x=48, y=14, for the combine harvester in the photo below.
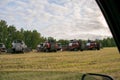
x=48, y=46
x=92, y=45
x=2, y=47
x=18, y=46
x=75, y=45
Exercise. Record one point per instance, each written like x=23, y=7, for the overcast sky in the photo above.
x=62, y=19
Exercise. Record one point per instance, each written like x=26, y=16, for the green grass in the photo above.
x=48, y=75
x=60, y=65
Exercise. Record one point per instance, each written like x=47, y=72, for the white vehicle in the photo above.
x=18, y=46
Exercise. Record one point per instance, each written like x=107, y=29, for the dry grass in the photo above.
x=105, y=61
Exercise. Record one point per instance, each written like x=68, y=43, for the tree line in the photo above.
x=8, y=33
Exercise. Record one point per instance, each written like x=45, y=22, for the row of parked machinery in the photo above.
x=51, y=46
x=73, y=45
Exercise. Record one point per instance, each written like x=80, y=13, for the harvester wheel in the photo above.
x=13, y=51
x=0, y=51
x=55, y=50
x=23, y=51
x=46, y=50
x=81, y=49
x=98, y=48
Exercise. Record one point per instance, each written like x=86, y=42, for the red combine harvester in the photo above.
x=48, y=46
x=75, y=45
x=93, y=45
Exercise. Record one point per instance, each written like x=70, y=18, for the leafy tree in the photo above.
x=63, y=42
x=3, y=31
x=33, y=38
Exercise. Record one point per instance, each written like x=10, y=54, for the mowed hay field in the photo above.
x=64, y=65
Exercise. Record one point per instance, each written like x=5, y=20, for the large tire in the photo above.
x=46, y=50
x=81, y=49
x=75, y=49
x=55, y=50
x=0, y=51
x=9, y=51
x=98, y=48
x=23, y=50
x=14, y=51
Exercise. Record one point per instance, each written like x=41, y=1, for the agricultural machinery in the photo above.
x=40, y=47
x=93, y=45
x=48, y=46
x=18, y=46
x=2, y=47
x=59, y=46
x=75, y=45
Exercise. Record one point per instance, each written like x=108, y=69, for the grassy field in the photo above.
x=59, y=65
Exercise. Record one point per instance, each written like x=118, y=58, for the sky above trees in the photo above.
x=62, y=19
